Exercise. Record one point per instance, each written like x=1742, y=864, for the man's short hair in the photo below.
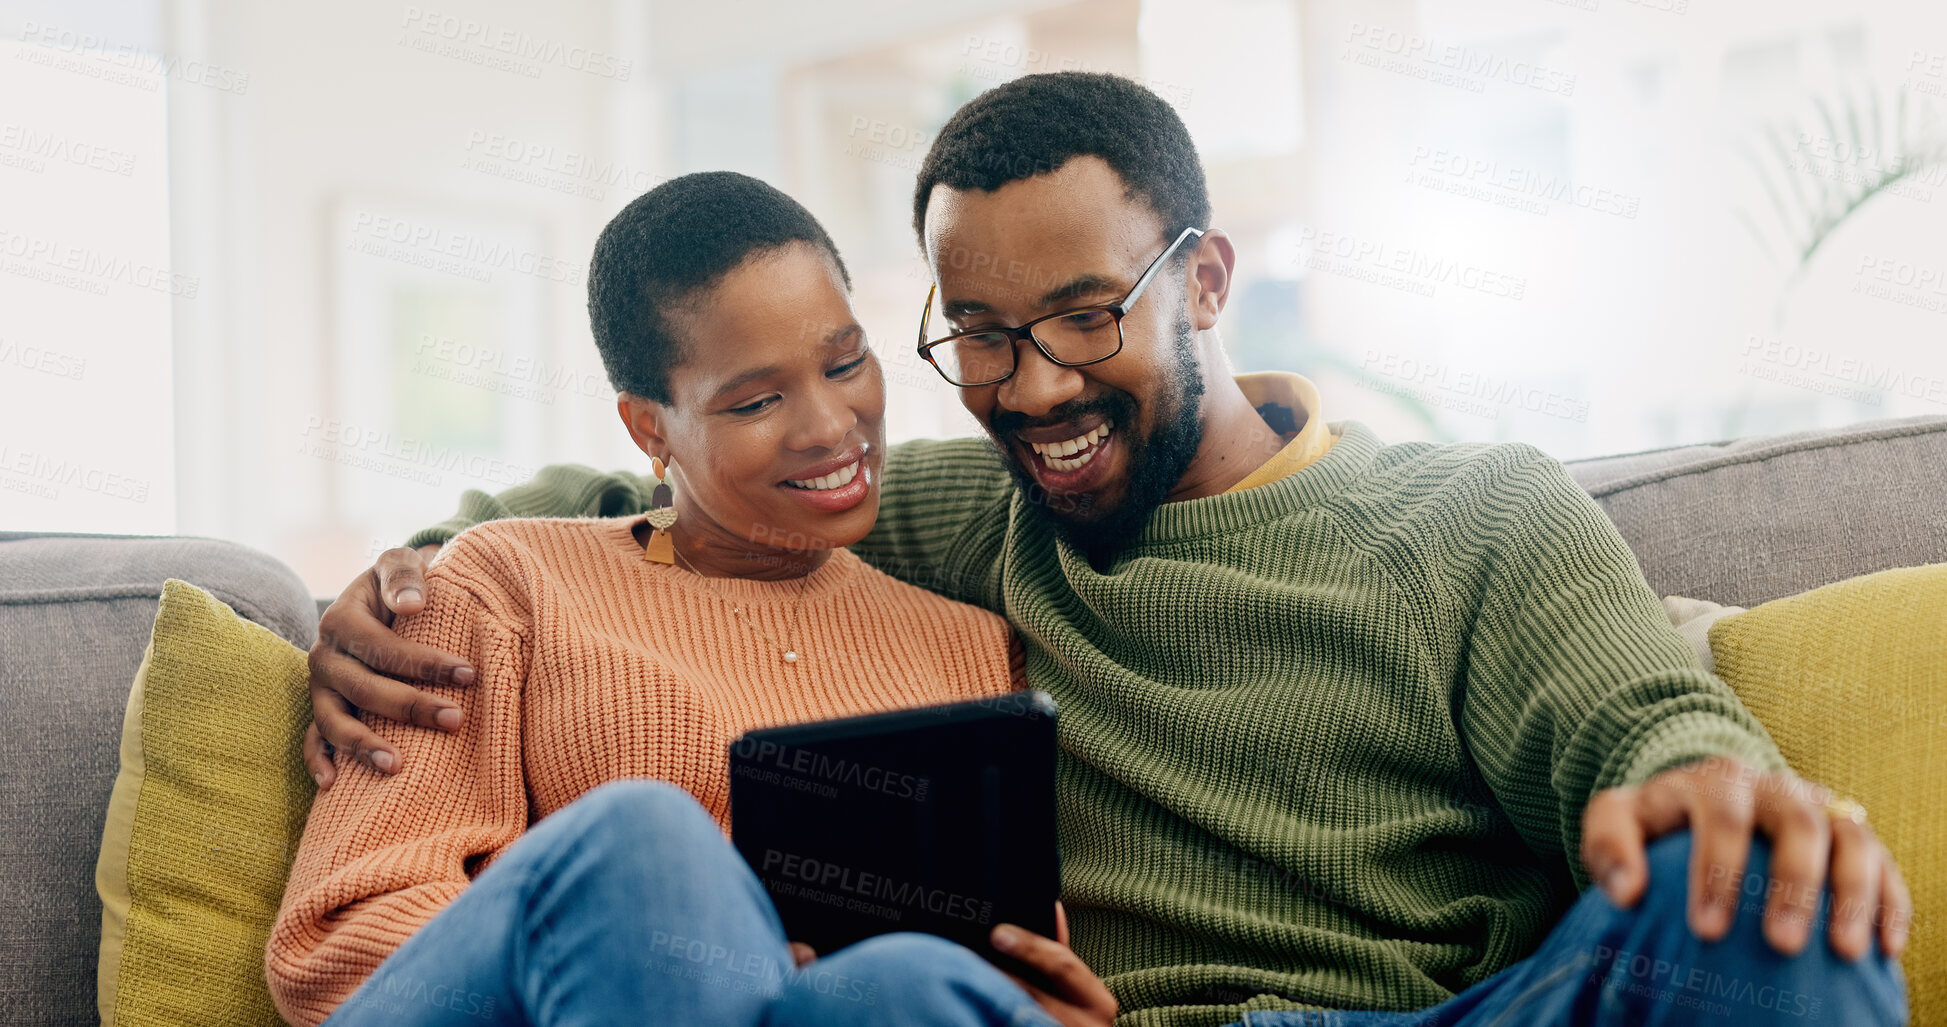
x=666, y=245
x=1034, y=124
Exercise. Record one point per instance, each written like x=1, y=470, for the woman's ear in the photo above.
x=645, y=421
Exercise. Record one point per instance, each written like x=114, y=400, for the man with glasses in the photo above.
x=1348, y=730
x=1071, y=338
x=1076, y=337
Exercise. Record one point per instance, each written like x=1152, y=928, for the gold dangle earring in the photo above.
x=662, y=514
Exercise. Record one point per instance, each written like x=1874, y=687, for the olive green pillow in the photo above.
x=204, y=819
x=1851, y=681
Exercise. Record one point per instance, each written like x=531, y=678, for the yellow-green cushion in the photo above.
x=204, y=819
x=1851, y=680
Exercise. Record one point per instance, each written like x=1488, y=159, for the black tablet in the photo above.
x=938, y=819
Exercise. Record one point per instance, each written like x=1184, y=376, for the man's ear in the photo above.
x=644, y=418
x=1210, y=267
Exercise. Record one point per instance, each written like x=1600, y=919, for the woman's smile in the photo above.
x=835, y=485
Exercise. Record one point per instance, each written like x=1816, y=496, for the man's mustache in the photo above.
x=1118, y=406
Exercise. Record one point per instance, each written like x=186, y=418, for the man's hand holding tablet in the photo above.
x=1067, y=988
x=1078, y=999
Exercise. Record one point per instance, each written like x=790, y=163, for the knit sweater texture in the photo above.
x=1325, y=742
x=593, y=664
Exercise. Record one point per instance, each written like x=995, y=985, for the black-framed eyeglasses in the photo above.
x=1071, y=338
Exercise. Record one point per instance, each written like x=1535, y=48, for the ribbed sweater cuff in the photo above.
x=440, y=533
x=323, y=972
x=1695, y=735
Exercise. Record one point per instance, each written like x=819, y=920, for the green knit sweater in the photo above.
x=1324, y=742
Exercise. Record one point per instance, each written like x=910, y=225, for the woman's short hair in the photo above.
x=667, y=244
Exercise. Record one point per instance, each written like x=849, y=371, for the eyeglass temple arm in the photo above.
x=926, y=315
x=1155, y=267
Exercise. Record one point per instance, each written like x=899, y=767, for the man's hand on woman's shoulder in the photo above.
x=359, y=662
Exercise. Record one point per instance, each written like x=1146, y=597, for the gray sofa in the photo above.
x=1737, y=523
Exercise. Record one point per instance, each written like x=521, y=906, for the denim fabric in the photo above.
x=1607, y=966
x=629, y=906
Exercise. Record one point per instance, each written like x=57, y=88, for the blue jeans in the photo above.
x=1603, y=965
x=628, y=906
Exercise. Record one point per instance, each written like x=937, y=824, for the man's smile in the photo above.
x=1071, y=453
x=1069, y=458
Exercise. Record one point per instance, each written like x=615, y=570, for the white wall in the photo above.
x=86, y=275
x=348, y=118
x=302, y=384
x=1637, y=311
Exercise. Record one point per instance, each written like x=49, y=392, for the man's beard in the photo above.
x=1156, y=461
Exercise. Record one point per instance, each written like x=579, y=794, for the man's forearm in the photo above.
x=557, y=490
x=1575, y=681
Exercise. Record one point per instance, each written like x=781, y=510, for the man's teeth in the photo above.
x=1072, y=454
x=842, y=476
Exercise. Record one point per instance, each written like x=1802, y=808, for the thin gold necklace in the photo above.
x=797, y=609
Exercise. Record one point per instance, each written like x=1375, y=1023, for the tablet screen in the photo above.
x=938, y=819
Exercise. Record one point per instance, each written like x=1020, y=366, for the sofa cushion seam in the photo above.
x=1925, y=423
x=246, y=608
x=1756, y=457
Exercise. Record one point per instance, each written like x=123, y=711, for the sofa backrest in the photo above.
x=1757, y=519
x=75, y=614
x=1738, y=522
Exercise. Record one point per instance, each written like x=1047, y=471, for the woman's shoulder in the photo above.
x=539, y=537
x=511, y=554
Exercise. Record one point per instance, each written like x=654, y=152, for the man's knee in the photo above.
x=1871, y=990
x=1668, y=891
x=1667, y=896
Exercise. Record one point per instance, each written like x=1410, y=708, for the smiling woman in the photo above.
x=723, y=314
x=773, y=425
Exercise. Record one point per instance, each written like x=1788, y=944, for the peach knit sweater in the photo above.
x=592, y=665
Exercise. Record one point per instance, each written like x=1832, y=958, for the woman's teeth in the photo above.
x=842, y=476
x=1074, y=453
